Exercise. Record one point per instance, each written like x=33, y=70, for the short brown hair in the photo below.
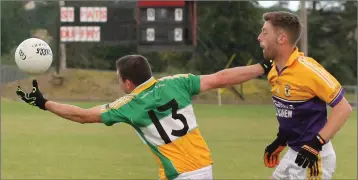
x=287, y=21
x=135, y=68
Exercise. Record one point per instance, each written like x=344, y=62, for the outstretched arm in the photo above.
x=231, y=76
x=70, y=112
x=75, y=113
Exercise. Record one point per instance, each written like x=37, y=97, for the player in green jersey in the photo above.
x=160, y=111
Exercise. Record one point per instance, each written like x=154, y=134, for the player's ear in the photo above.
x=128, y=84
x=281, y=38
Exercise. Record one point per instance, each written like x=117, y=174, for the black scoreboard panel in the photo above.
x=161, y=26
x=150, y=24
x=164, y=24
x=166, y=14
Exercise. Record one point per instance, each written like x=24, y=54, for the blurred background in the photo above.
x=192, y=37
x=198, y=37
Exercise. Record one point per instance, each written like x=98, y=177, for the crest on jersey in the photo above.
x=287, y=90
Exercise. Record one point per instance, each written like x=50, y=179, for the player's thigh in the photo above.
x=288, y=169
x=328, y=161
x=203, y=176
x=205, y=173
x=281, y=170
x=326, y=165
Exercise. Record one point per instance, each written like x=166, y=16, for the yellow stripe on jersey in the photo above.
x=122, y=101
x=187, y=153
x=117, y=104
x=144, y=86
x=174, y=76
x=127, y=98
x=315, y=173
x=318, y=71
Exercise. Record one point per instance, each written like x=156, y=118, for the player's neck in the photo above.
x=283, y=57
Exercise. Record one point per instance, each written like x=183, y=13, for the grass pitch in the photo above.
x=37, y=144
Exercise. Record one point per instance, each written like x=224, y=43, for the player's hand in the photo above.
x=308, y=154
x=272, y=152
x=267, y=65
x=34, y=98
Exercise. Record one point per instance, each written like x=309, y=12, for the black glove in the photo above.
x=267, y=65
x=308, y=154
x=34, y=98
x=272, y=152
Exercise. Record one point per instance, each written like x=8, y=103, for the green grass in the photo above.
x=37, y=144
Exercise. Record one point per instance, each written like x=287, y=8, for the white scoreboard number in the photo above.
x=150, y=34
x=150, y=14
x=178, y=14
x=178, y=34
x=163, y=15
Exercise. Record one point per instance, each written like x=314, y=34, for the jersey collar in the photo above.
x=144, y=86
x=293, y=57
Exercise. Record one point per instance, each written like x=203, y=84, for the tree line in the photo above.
x=224, y=29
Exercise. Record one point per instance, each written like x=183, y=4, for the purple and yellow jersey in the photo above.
x=300, y=93
x=162, y=114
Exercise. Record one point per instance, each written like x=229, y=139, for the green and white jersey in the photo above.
x=161, y=112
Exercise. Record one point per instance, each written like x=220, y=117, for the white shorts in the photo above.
x=205, y=173
x=288, y=169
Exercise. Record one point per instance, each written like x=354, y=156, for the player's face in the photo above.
x=268, y=41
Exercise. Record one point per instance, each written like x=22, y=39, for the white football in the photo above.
x=33, y=56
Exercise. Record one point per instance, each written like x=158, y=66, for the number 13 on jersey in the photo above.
x=176, y=124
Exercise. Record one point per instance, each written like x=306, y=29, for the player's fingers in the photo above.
x=34, y=86
x=278, y=150
x=18, y=88
x=34, y=83
x=269, y=161
x=277, y=159
x=273, y=161
x=306, y=163
x=266, y=161
x=299, y=160
x=20, y=92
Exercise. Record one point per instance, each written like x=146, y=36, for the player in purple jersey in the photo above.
x=301, y=90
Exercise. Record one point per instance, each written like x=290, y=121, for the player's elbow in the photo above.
x=349, y=109
x=344, y=107
x=86, y=120
x=209, y=82
x=221, y=79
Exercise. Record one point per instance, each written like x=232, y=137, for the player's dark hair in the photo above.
x=135, y=68
x=287, y=21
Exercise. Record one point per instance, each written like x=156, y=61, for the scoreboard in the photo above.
x=152, y=25
x=166, y=25
x=94, y=22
